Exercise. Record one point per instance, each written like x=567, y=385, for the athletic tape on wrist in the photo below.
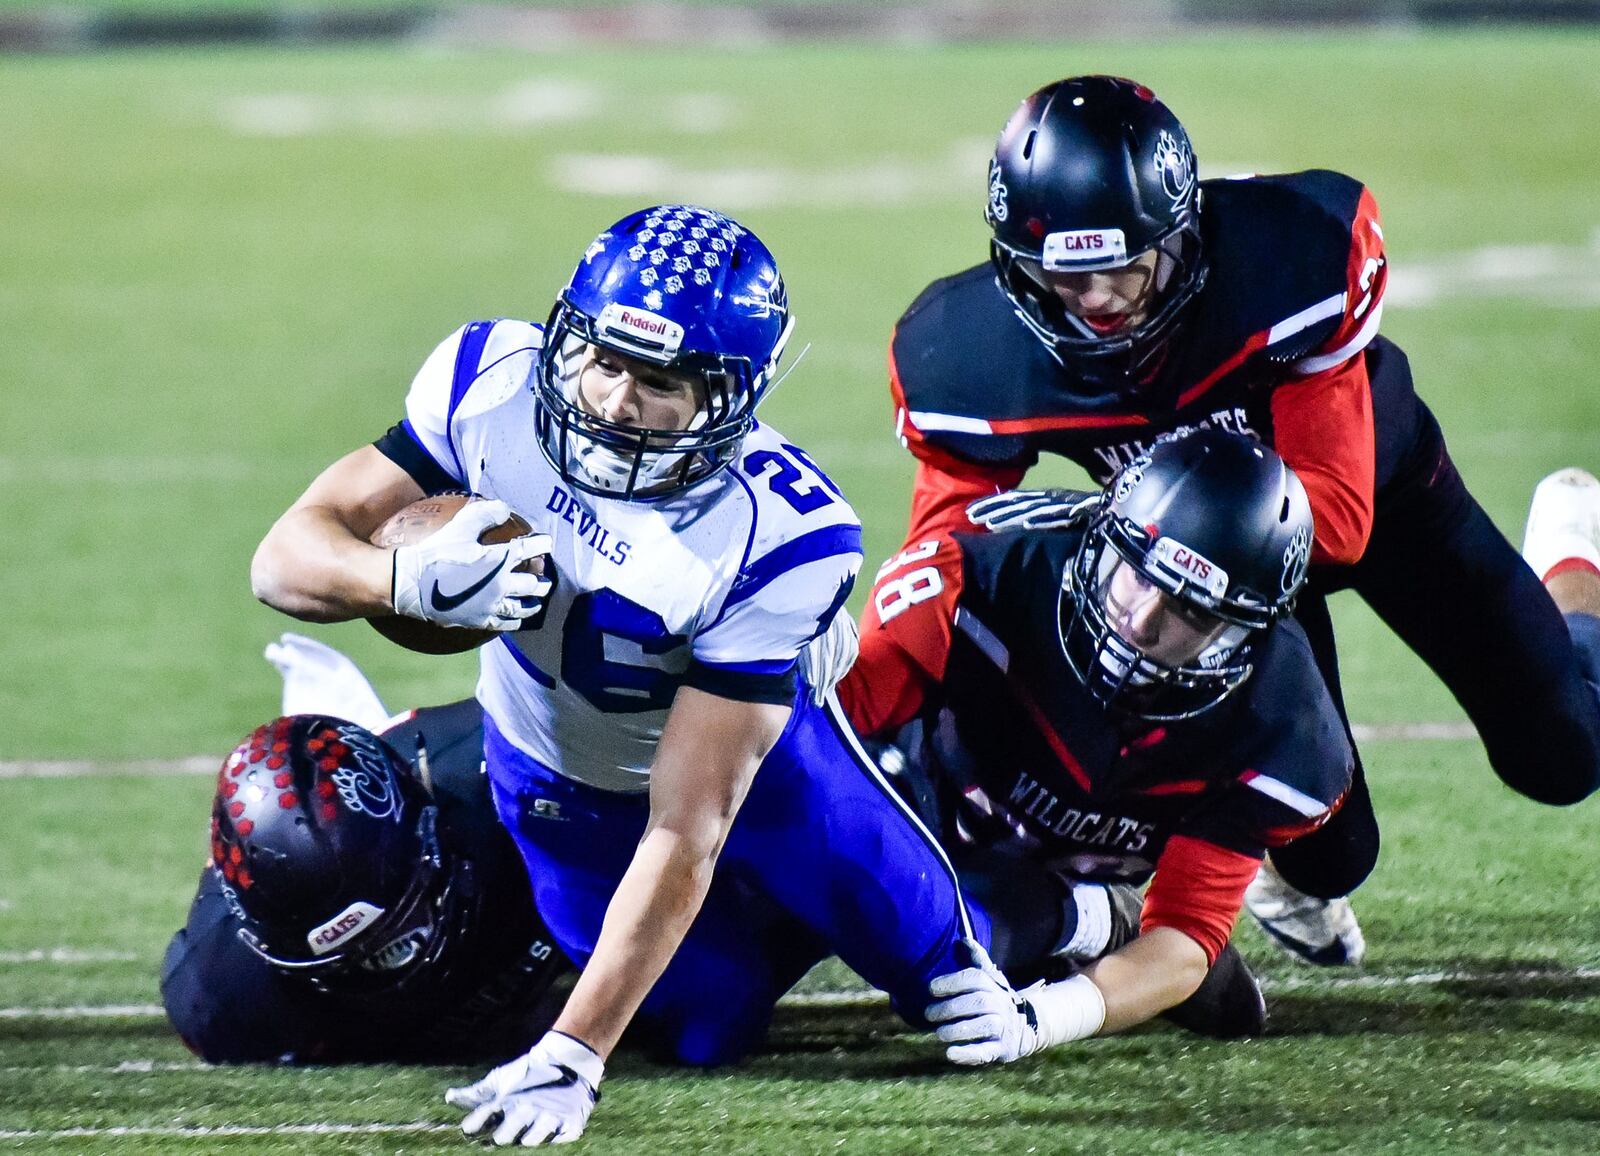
x=1071, y=1010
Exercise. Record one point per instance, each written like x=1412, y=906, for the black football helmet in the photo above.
x=1213, y=531
x=1089, y=174
x=329, y=849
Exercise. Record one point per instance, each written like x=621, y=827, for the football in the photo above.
x=411, y=525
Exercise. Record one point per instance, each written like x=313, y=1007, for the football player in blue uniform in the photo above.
x=360, y=905
x=1125, y=298
x=1119, y=700
x=638, y=684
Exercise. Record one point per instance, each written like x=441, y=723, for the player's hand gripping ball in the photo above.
x=465, y=569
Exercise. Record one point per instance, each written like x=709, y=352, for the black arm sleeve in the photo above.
x=776, y=689
x=402, y=449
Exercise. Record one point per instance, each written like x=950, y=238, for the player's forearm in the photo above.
x=1158, y=970
x=658, y=898
x=312, y=566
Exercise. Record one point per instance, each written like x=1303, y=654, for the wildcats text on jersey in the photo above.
x=1114, y=456
x=1090, y=828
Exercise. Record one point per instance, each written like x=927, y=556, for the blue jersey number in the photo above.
x=788, y=482
x=606, y=650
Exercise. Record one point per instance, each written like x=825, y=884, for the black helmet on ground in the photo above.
x=1094, y=191
x=1196, y=549
x=329, y=849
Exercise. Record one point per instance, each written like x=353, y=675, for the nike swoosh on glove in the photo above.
x=453, y=579
x=1032, y=509
x=544, y=1097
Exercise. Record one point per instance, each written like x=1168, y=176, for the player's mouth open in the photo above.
x=1107, y=322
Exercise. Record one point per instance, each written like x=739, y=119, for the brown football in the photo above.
x=410, y=526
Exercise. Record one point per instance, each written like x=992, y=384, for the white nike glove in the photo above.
x=986, y=1021
x=1032, y=509
x=451, y=578
x=544, y=1097
x=828, y=657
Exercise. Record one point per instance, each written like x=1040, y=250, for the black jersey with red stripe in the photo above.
x=1026, y=760
x=1294, y=288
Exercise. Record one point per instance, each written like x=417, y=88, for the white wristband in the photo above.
x=1071, y=1010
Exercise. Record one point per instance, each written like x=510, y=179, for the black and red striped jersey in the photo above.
x=1026, y=757
x=1273, y=346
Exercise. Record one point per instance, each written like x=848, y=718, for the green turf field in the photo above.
x=218, y=271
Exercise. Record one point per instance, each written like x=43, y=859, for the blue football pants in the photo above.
x=821, y=859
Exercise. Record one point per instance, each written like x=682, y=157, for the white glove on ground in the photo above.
x=1031, y=509
x=986, y=1021
x=451, y=578
x=544, y=1097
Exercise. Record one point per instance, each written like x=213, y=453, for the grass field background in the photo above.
x=219, y=270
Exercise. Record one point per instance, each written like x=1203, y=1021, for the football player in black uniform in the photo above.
x=359, y=907
x=1125, y=298
x=1120, y=699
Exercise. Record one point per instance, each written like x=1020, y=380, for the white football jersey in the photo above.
x=736, y=573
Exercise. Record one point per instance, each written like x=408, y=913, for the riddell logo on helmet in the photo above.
x=631, y=328
x=656, y=325
x=343, y=926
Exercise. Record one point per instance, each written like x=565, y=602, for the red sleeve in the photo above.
x=1323, y=419
x=1366, y=276
x=1198, y=889
x=905, y=636
x=945, y=484
x=1322, y=426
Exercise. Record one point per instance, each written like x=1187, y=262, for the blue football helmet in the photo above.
x=684, y=288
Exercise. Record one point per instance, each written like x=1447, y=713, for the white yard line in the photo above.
x=112, y=1011
x=94, y=768
x=66, y=955
x=208, y=764
x=127, y=1067
x=1414, y=731
x=202, y=1131
x=1309, y=980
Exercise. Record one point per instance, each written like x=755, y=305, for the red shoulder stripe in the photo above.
x=1056, y=743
